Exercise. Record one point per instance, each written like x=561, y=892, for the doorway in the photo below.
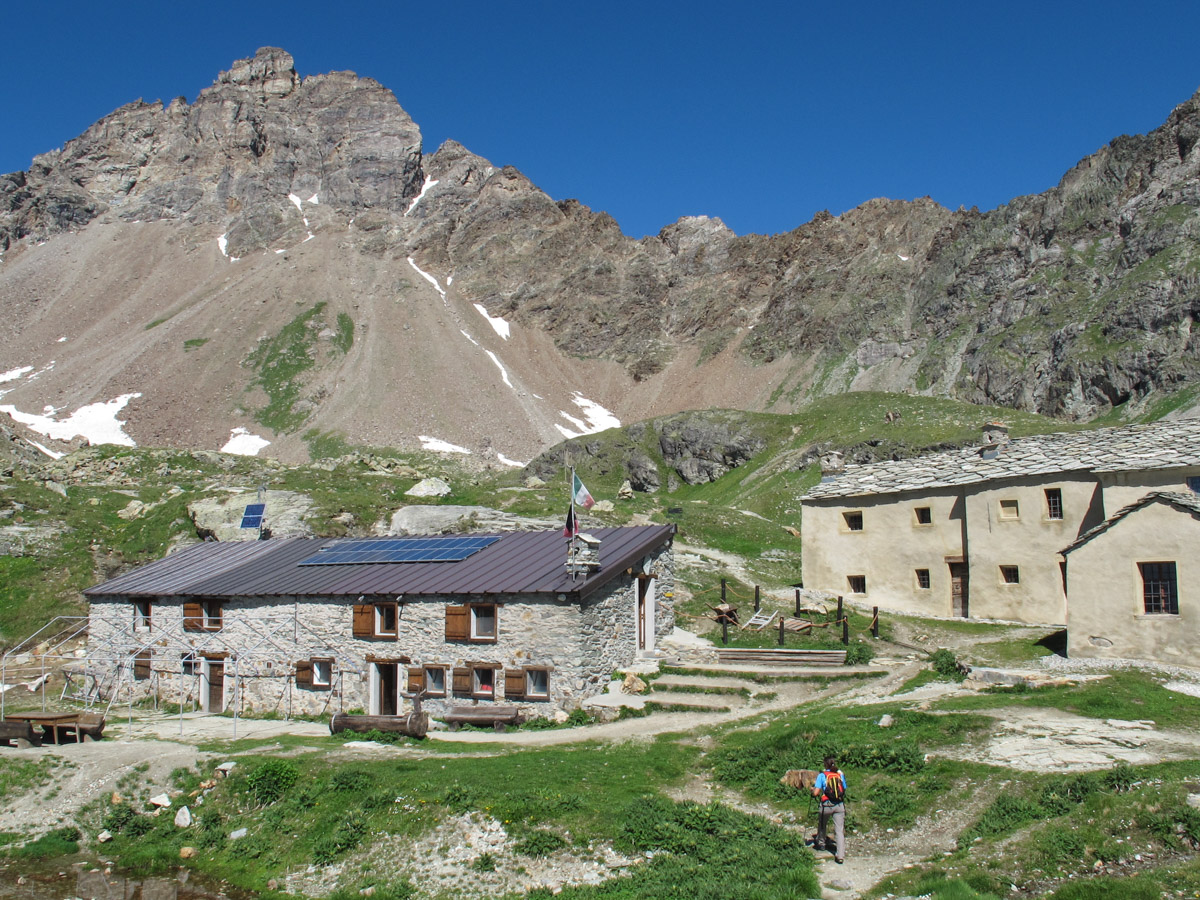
x=214, y=685
x=959, y=605
x=645, y=613
x=385, y=683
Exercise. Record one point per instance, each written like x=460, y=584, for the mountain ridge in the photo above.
x=1070, y=302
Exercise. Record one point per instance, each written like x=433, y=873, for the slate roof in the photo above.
x=1160, y=445
x=1189, y=503
x=517, y=563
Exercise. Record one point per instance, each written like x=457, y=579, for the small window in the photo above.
x=1010, y=574
x=435, y=681
x=141, y=615
x=483, y=683
x=322, y=672
x=923, y=579
x=1160, y=590
x=1054, y=507
x=1193, y=483
x=857, y=583
x=537, y=684
x=385, y=619
x=1009, y=510
x=924, y=515
x=187, y=663
x=483, y=622
x=212, y=615
x=854, y=521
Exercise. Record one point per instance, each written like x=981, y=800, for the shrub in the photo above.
x=484, y=863
x=271, y=780
x=859, y=654
x=893, y=804
x=1006, y=814
x=1120, y=778
x=946, y=665
x=540, y=842
x=117, y=818
x=345, y=837
x=345, y=780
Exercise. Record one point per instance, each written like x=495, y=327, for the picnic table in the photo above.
x=54, y=725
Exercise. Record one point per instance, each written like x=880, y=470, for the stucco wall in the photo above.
x=890, y=548
x=1124, y=488
x=1107, y=613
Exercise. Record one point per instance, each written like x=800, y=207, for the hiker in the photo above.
x=830, y=791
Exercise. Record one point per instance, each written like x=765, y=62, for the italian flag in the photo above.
x=580, y=495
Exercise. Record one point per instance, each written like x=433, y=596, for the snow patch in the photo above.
x=903, y=258
x=428, y=278
x=440, y=446
x=53, y=454
x=297, y=202
x=417, y=199
x=223, y=242
x=500, y=457
x=242, y=443
x=63, y=339
x=468, y=337
x=313, y=200
x=97, y=423
x=500, y=366
x=281, y=251
x=14, y=374
x=598, y=418
x=500, y=326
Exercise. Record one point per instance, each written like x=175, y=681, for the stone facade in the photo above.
x=269, y=653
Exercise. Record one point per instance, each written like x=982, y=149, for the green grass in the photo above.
x=19, y=776
x=279, y=364
x=343, y=339
x=194, y=344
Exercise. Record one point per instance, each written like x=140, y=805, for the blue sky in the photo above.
x=760, y=113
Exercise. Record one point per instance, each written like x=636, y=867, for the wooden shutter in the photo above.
x=416, y=680
x=462, y=681
x=304, y=673
x=514, y=684
x=193, y=616
x=141, y=666
x=364, y=620
x=458, y=624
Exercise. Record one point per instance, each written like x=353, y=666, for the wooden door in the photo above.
x=389, y=696
x=216, y=686
x=958, y=590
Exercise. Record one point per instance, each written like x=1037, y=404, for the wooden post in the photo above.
x=875, y=622
x=839, y=614
x=725, y=630
x=797, y=603
x=757, y=598
x=722, y=590
x=845, y=631
x=781, y=631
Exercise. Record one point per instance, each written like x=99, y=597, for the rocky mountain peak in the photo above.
x=271, y=71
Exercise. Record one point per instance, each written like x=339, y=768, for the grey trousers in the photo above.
x=836, y=812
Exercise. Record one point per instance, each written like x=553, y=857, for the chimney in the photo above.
x=995, y=436
x=833, y=463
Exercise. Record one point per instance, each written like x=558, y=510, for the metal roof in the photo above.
x=517, y=563
x=1188, y=503
x=1159, y=445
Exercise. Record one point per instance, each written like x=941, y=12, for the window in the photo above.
x=322, y=672
x=187, y=663
x=202, y=615
x=212, y=615
x=483, y=622
x=1009, y=510
x=435, y=681
x=1160, y=590
x=1010, y=574
x=385, y=619
x=923, y=579
x=854, y=520
x=537, y=684
x=924, y=515
x=141, y=615
x=1054, y=508
x=483, y=683
x=857, y=583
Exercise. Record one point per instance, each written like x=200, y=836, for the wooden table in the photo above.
x=55, y=725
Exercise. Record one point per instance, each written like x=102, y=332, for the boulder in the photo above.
x=430, y=487
x=220, y=518
x=183, y=818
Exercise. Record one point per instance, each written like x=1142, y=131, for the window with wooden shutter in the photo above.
x=322, y=674
x=458, y=626
x=193, y=616
x=141, y=666
x=141, y=615
x=213, y=615
x=483, y=623
x=387, y=620
x=483, y=682
x=462, y=681
x=537, y=684
x=514, y=684
x=435, y=681
x=304, y=673
x=416, y=680
x=363, y=623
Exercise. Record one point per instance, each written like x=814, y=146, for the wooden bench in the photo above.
x=780, y=657
x=499, y=717
x=413, y=724
x=89, y=727
x=19, y=734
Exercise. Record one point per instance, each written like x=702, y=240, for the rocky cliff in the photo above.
x=281, y=255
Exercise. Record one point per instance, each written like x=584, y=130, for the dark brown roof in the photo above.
x=517, y=563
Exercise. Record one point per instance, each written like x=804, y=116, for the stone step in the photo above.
x=798, y=673
x=780, y=656
x=667, y=682
x=699, y=702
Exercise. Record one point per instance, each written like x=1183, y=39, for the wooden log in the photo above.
x=497, y=716
x=412, y=724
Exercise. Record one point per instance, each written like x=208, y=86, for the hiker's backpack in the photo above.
x=835, y=789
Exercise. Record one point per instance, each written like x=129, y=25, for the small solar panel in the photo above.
x=253, y=516
x=444, y=548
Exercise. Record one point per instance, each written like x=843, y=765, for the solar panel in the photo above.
x=443, y=548
x=253, y=516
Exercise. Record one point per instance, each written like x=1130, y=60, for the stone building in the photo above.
x=311, y=625
x=1133, y=581
x=978, y=532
